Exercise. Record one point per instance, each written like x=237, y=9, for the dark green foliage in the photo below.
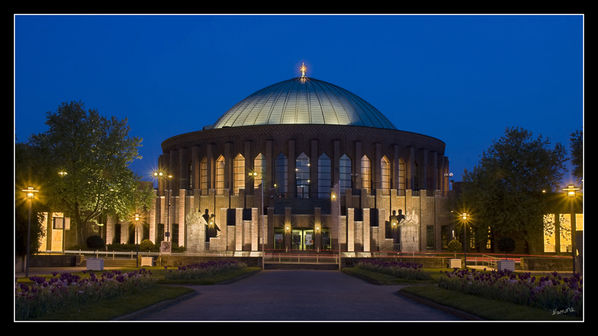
x=95, y=242
x=506, y=244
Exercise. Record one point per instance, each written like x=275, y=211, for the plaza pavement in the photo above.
x=295, y=295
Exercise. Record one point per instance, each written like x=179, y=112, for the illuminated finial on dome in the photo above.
x=303, y=69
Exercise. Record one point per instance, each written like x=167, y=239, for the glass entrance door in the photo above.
x=309, y=240
x=297, y=240
x=303, y=239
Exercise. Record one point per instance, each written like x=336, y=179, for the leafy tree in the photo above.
x=95, y=153
x=505, y=188
x=577, y=153
x=24, y=177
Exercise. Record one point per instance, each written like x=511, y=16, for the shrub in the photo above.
x=455, y=246
x=46, y=295
x=95, y=242
x=399, y=269
x=146, y=245
x=201, y=270
x=552, y=292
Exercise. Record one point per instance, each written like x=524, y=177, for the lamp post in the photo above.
x=333, y=197
x=30, y=194
x=253, y=175
x=62, y=173
x=465, y=218
x=160, y=174
x=571, y=191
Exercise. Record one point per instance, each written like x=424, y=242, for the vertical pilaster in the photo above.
x=377, y=168
x=292, y=187
x=124, y=232
x=181, y=216
x=109, y=229
x=350, y=230
x=238, y=229
x=366, y=230
x=356, y=183
x=313, y=172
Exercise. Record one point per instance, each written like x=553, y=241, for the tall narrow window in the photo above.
x=416, y=177
x=259, y=166
x=344, y=167
x=385, y=173
x=203, y=174
x=324, y=176
x=190, y=174
x=238, y=173
x=366, y=173
x=220, y=165
x=280, y=176
x=401, y=174
x=302, y=179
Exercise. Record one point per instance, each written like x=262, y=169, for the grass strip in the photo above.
x=111, y=308
x=217, y=278
x=485, y=308
x=379, y=278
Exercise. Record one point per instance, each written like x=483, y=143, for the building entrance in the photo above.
x=302, y=239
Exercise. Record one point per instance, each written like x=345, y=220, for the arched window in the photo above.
x=203, y=174
x=280, y=173
x=238, y=173
x=324, y=171
x=366, y=173
x=384, y=173
x=220, y=165
x=302, y=179
x=344, y=167
x=259, y=166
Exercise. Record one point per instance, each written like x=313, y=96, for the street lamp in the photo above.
x=30, y=195
x=160, y=174
x=465, y=217
x=62, y=173
x=338, y=230
x=253, y=175
x=571, y=192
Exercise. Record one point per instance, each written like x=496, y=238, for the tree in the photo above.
x=576, y=142
x=24, y=177
x=95, y=153
x=505, y=188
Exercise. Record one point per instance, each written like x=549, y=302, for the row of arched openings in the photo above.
x=303, y=181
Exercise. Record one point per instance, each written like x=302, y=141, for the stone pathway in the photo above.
x=297, y=295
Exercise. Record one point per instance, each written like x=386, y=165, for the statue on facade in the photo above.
x=212, y=228
x=409, y=232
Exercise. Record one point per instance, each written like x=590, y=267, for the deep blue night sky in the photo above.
x=460, y=78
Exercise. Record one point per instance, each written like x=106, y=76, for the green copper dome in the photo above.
x=303, y=100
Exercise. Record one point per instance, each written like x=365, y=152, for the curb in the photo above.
x=454, y=311
x=155, y=307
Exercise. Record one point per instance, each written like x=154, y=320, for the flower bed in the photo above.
x=45, y=295
x=201, y=270
x=404, y=270
x=561, y=295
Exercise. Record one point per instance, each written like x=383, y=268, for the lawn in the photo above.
x=487, y=309
x=484, y=308
x=113, y=307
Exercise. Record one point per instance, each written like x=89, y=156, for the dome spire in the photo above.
x=303, y=69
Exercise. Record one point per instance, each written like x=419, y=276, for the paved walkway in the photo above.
x=297, y=295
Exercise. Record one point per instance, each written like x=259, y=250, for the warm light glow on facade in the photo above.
x=564, y=236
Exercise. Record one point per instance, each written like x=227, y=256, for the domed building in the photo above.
x=302, y=165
